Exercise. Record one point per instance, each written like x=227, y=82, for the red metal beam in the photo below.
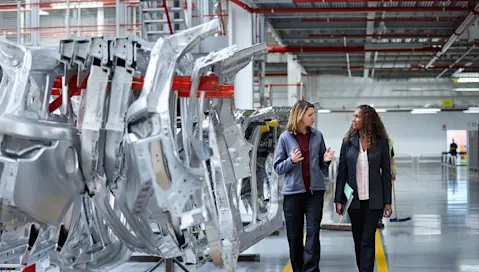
x=361, y=9
x=395, y=19
x=412, y=67
x=395, y=35
x=343, y=49
x=352, y=1
x=355, y=9
x=243, y=5
x=182, y=84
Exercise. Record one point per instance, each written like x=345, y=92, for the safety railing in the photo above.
x=333, y=169
x=448, y=160
x=403, y=160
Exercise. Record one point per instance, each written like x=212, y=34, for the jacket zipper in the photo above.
x=309, y=147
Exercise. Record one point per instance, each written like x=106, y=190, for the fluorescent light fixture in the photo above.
x=466, y=89
x=324, y=111
x=77, y=5
x=425, y=111
x=381, y=110
x=472, y=110
x=42, y=13
x=467, y=79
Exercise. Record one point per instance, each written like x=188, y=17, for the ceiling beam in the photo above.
x=344, y=49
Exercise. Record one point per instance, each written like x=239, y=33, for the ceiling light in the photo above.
x=472, y=110
x=381, y=110
x=466, y=79
x=466, y=89
x=77, y=5
x=42, y=13
x=324, y=111
x=425, y=111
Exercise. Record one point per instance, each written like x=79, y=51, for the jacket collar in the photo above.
x=311, y=130
x=354, y=139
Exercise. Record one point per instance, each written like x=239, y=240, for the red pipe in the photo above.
x=360, y=9
x=242, y=5
x=352, y=1
x=343, y=49
x=412, y=67
x=395, y=35
x=167, y=16
x=355, y=9
x=396, y=19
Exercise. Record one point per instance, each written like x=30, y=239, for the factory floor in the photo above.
x=442, y=235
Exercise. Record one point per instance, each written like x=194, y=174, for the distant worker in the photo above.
x=393, y=173
x=453, y=152
x=301, y=154
x=364, y=164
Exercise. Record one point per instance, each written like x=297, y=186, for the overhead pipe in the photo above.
x=457, y=61
x=471, y=18
x=243, y=6
x=410, y=68
x=364, y=9
x=344, y=49
x=347, y=59
x=380, y=35
x=354, y=9
x=342, y=1
x=395, y=19
x=392, y=35
x=44, y=4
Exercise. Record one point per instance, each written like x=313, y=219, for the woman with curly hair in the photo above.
x=364, y=164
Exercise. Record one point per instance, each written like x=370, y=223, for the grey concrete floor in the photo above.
x=443, y=234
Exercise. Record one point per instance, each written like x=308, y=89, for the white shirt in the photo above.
x=362, y=174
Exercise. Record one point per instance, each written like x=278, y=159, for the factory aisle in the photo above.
x=443, y=234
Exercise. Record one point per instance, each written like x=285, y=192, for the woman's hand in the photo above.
x=328, y=155
x=296, y=155
x=339, y=208
x=388, y=211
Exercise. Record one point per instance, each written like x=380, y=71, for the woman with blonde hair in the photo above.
x=301, y=154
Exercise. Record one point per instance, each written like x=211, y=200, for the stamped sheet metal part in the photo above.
x=93, y=115
x=223, y=174
x=30, y=142
x=151, y=141
x=203, y=66
x=125, y=51
x=130, y=177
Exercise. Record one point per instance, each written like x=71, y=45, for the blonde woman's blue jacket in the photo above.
x=293, y=179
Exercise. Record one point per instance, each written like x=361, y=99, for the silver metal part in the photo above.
x=148, y=172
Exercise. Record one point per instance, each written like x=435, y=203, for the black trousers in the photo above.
x=364, y=223
x=304, y=258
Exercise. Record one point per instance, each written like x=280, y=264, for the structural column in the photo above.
x=240, y=33
x=294, y=77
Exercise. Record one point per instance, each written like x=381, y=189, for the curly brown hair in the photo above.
x=373, y=126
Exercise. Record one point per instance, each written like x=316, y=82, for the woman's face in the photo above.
x=308, y=118
x=358, y=123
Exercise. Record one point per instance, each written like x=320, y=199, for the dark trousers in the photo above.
x=364, y=223
x=304, y=258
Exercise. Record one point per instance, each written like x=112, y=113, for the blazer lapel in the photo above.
x=354, y=139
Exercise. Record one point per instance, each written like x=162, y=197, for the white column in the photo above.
x=240, y=33
x=294, y=77
x=100, y=20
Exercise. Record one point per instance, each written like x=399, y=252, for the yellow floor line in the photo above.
x=288, y=267
x=381, y=262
